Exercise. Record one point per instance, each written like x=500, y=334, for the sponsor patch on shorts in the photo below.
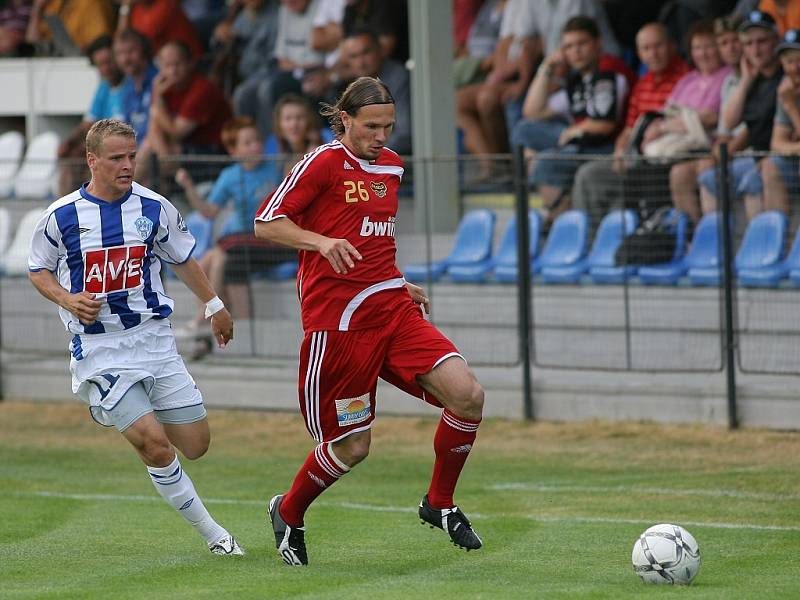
x=352, y=410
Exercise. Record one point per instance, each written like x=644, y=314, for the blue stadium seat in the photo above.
x=565, y=247
x=758, y=261
x=282, y=271
x=472, y=245
x=703, y=259
x=602, y=257
x=669, y=272
x=504, y=259
x=505, y=262
x=702, y=254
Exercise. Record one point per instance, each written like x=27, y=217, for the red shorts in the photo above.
x=339, y=370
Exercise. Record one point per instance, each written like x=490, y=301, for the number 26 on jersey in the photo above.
x=355, y=191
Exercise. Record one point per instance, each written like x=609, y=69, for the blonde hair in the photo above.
x=104, y=128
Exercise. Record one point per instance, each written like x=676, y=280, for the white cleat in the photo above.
x=226, y=546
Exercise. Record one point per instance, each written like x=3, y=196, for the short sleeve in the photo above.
x=781, y=116
x=174, y=244
x=45, y=244
x=307, y=180
x=222, y=190
x=97, y=109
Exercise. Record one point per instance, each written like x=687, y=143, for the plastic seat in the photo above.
x=282, y=271
x=565, y=246
x=472, y=245
x=703, y=259
x=702, y=254
x=5, y=229
x=11, y=145
x=504, y=260
x=505, y=263
x=36, y=177
x=668, y=273
x=15, y=260
x=758, y=261
x=602, y=262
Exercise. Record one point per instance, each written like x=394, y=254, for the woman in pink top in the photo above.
x=699, y=89
x=683, y=176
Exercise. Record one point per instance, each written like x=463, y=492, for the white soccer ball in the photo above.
x=666, y=554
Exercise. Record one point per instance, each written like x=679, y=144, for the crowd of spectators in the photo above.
x=562, y=77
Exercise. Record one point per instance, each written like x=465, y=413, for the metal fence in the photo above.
x=595, y=312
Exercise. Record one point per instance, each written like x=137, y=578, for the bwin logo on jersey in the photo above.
x=378, y=228
x=144, y=227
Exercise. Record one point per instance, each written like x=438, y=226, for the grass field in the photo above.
x=558, y=507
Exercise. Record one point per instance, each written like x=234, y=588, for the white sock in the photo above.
x=178, y=490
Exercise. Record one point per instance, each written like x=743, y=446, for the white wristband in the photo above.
x=213, y=306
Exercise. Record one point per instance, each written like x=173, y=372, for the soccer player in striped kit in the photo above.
x=97, y=254
x=361, y=319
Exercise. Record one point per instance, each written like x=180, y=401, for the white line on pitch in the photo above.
x=545, y=487
x=397, y=509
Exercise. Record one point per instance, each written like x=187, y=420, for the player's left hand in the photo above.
x=222, y=327
x=419, y=297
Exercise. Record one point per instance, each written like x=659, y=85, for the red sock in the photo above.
x=320, y=471
x=452, y=444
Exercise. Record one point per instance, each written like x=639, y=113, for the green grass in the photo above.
x=558, y=507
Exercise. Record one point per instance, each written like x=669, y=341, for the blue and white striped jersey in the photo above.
x=114, y=250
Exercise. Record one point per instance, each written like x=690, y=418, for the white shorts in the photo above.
x=104, y=366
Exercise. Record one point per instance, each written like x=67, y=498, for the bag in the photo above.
x=675, y=144
x=653, y=241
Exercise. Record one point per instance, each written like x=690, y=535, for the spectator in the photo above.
x=255, y=29
x=595, y=98
x=780, y=172
x=242, y=185
x=598, y=184
x=752, y=102
x=83, y=20
x=161, y=21
x=387, y=18
x=204, y=16
x=107, y=104
x=132, y=54
x=464, y=14
x=699, y=90
x=327, y=32
x=474, y=60
x=14, y=17
x=480, y=112
x=683, y=176
x=361, y=53
x=187, y=111
x=295, y=132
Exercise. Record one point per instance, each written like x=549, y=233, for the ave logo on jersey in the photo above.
x=113, y=269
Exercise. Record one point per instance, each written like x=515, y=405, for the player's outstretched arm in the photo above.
x=192, y=275
x=82, y=305
x=339, y=252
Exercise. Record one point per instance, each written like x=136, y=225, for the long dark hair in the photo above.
x=362, y=92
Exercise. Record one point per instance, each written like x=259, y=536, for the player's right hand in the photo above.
x=340, y=253
x=84, y=306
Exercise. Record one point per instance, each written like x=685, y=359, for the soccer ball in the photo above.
x=666, y=554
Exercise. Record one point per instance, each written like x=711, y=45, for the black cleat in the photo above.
x=290, y=541
x=453, y=521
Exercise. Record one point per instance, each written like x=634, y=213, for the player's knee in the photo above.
x=156, y=451
x=195, y=450
x=352, y=450
x=475, y=397
x=468, y=400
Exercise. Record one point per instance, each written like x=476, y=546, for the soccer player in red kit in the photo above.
x=361, y=319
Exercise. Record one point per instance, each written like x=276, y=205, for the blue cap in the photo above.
x=758, y=18
x=791, y=41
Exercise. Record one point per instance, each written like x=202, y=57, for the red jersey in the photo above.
x=202, y=103
x=333, y=193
